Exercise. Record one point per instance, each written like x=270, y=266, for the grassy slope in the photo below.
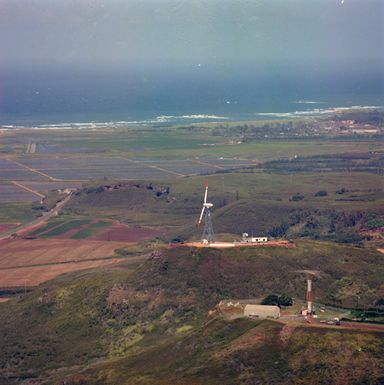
x=248, y=352
x=125, y=318
x=243, y=202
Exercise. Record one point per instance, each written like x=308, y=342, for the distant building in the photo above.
x=247, y=239
x=262, y=311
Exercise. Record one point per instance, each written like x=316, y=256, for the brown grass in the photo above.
x=29, y=262
x=34, y=275
x=29, y=252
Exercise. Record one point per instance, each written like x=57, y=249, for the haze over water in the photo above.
x=76, y=61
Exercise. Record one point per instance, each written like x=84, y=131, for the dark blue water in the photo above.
x=35, y=97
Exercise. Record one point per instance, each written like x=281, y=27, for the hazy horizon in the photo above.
x=142, y=58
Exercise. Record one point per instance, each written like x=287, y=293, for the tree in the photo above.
x=277, y=300
x=285, y=300
x=296, y=198
x=271, y=299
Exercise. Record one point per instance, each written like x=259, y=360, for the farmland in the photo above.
x=30, y=262
x=103, y=292
x=69, y=158
x=260, y=181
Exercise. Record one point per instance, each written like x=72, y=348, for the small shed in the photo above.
x=247, y=239
x=262, y=311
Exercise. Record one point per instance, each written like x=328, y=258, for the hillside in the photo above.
x=330, y=206
x=132, y=325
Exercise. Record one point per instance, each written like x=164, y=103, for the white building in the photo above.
x=247, y=239
x=262, y=311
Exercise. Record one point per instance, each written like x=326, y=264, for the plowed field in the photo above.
x=34, y=275
x=25, y=262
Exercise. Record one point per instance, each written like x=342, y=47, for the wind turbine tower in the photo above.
x=309, y=299
x=208, y=234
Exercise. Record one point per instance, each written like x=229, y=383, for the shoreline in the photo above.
x=173, y=120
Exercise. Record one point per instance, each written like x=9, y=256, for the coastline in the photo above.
x=198, y=118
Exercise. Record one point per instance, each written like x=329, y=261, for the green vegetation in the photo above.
x=16, y=212
x=348, y=162
x=374, y=223
x=90, y=230
x=120, y=326
x=278, y=300
x=257, y=203
x=64, y=227
x=157, y=323
x=48, y=226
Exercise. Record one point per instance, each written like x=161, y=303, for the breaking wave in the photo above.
x=121, y=123
x=316, y=111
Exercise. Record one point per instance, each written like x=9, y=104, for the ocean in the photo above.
x=90, y=98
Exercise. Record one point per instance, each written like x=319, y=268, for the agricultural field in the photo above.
x=31, y=276
x=10, y=192
x=27, y=252
x=46, y=187
x=26, y=262
x=92, y=229
x=101, y=282
x=295, y=187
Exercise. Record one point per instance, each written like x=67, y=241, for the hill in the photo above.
x=150, y=325
x=330, y=206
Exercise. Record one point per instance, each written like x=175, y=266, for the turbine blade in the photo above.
x=201, y=216
x=206, y=192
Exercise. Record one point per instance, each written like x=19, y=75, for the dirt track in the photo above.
x=225, y=245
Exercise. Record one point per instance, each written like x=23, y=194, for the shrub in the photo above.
x=297, y=197
x=278, y=300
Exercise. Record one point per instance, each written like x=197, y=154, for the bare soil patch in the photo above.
x=4, y=299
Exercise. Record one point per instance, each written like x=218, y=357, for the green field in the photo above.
x=16, y=212
x=53, y=229
x=90, y=230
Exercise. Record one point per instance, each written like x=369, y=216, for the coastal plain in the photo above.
x=90, y=224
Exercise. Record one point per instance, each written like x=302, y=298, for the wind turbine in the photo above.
x=207, y=236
